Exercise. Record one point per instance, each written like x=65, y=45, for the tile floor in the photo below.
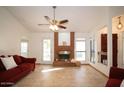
x=49, y=76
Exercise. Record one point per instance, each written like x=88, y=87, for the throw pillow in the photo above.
x=122, y=84
x=8, y=62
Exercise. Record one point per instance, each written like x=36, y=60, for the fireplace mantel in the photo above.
x=64, y=52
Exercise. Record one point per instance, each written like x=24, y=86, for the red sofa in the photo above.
x=116, y=76
x=11, y=76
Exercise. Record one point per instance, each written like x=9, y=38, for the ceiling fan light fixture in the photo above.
x=54, y=24
x=120, y=25
x=54, y=27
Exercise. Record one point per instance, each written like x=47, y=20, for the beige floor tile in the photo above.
x=49, y=76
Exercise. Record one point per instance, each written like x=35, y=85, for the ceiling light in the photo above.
x=120, y=25
x=54, y=27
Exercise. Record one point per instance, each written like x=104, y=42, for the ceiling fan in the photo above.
x=54, y=24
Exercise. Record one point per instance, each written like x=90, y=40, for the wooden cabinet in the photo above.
x=103, y=52
x=115, y=47
x=103, y=42
x=114, y=50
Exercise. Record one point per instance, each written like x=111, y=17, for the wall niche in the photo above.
x=64, y=39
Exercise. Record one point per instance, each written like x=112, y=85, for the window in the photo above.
x=92, y=50
x=64, y=39
x=24, y=48
x=80, y=50
x=46, y=50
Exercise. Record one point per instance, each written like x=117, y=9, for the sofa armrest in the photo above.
x=28, y=60
x=116, y=73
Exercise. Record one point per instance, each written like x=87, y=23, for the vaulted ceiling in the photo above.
x=81, y=18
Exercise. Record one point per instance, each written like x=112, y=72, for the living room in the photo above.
x=20, y=25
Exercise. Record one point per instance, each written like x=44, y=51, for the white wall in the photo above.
x=11, y=32
x=96, y=36
x=120, y=34
x=107, y=20
x=36, y=45
x=114, y=12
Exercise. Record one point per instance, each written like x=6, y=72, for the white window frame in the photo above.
x=80, y=40
x=24, y=54
x=50, y=51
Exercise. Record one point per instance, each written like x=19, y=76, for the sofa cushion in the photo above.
x=5, y=75
x=17, y=59
x=9, y=77
x=18, y=76
x=116, y=73
x=9, y=62
x=114, y=83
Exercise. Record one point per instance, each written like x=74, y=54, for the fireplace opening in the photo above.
x=64, y=55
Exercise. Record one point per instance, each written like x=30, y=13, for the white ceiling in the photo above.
x=81, y=18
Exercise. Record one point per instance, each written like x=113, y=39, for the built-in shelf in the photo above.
x=102, y=58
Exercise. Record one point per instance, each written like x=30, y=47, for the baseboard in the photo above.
x=42, y=64
x=52, y=64
x=99, y=71
x=85, y=64
x=38, y=63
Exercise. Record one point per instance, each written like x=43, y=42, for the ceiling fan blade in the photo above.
x=48, y=19
x=60, y=26
x=43, y=24
x=63, y=21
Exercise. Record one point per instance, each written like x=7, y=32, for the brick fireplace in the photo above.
x=63, y=52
